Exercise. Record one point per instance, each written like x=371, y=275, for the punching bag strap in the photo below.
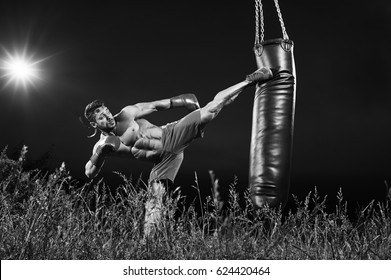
x=259, y=25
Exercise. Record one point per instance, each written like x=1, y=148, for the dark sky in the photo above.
x=148, y=50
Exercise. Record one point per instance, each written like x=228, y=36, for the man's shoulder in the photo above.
x=127, y=113
x=132, y=110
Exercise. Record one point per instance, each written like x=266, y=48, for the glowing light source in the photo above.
x=21, y=69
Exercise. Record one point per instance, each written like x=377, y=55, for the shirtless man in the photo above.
x=129, y=134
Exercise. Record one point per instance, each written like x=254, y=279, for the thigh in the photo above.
x=167, y=168
x=177, y=136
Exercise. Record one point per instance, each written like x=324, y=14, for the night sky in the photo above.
x=149, y=50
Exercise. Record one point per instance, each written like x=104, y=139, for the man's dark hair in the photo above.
x=89, y=112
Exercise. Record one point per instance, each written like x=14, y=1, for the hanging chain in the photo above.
x=284, y=34
x=256, y=23
x=259, y=20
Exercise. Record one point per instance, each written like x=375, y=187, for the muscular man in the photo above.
x=129, y=134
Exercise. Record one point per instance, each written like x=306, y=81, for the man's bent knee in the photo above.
x=210, y=111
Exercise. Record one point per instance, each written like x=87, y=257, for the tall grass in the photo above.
x=48, y=216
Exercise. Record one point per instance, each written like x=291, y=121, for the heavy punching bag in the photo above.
x=273, y=119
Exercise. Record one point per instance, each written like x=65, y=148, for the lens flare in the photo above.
x=21, y=69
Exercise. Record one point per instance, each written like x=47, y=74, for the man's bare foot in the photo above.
x=261, y=75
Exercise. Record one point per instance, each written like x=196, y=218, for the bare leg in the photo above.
x=153, y=208
x=227, y=96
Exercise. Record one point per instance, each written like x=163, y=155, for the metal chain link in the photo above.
x=256, y=22
x=284, y=34
x=259, y=20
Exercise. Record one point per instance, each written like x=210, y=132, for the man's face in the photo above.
x=104, y=120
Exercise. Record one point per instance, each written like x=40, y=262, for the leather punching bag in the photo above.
x=272, y=127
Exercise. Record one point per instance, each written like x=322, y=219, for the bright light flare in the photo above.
x=21, y=69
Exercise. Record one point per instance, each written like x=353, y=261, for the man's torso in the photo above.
x=139, y=138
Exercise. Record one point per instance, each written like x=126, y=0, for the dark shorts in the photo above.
x=176, y=137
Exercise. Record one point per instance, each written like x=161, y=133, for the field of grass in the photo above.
x=48, y=216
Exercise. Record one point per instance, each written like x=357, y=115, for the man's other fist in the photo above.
x=111, y=144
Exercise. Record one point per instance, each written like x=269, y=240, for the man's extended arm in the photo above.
x=146, y=108
x=188, y=101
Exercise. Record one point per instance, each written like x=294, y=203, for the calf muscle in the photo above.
x=223, y=98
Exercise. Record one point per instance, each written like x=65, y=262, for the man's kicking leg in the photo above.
x=225, y=97
x=154, y=204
